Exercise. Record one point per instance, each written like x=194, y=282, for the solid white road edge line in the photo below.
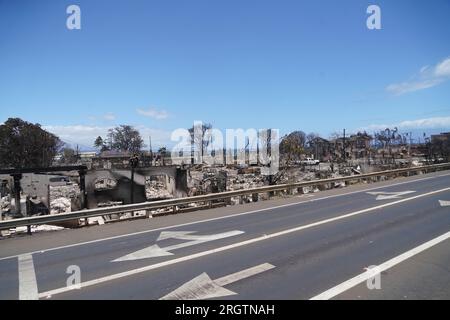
x=27, y=278
x=220, y=218
x=333, y=292
x=231, y=246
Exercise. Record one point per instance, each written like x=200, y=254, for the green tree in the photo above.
x=126, y=138
x=69, y=156
x=100, y=144
x=292, y=146
x=26, y=145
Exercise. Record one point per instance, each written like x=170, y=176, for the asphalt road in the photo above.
x=313, y=246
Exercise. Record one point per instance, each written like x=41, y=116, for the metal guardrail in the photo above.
x=148, y=206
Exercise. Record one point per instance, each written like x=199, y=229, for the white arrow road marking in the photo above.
x=27, y=278
x=156, y=251
x=389, y=195
x=202, y=287
x=444, y=203
x=186, y=235
x=173, y=234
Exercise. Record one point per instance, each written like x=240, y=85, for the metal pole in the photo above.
x=17, y=178
x=410, y=143
x=151, y=150
x=134, y=162
x=344, y=149
x=257, y=148
x=82, y=174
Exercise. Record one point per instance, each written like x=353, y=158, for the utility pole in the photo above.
x=134, y=162
x=150, y=150
x=317, y=152
x=257, y=147
x=343, y=147
x=247, y=151
x=410, y=143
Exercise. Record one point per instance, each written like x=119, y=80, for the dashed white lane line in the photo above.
x=27, y=278
x=225, y=217
x=340, y=288
x=231, y=246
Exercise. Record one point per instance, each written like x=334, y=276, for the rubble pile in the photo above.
x=61, y=196
x=109, y=204
x=156, y=189
x=5, y=204
x=70, y=191
x=105, y=184
x=245, y=181
x=34, y=229
x=60, y=205
x=206, y=179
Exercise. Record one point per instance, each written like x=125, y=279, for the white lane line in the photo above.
x=222, y=218
x=27, y=278
x=235, y=277
x=333, y=292
x=231, y=246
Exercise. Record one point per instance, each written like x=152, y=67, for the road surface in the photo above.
x=316, y=246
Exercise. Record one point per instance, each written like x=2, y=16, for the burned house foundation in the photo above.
x=56, y=190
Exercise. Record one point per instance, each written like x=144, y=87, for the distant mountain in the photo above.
x=81, y=147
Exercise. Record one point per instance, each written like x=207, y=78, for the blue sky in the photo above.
x=159, y=65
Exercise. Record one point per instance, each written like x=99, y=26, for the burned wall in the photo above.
x=119, y=187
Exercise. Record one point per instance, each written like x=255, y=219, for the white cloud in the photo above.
x=428, y=77
x=109, y=116
x=86, y=135
x=153, y=113
x=443, y=69
x=405, y=87
x=429, y=123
